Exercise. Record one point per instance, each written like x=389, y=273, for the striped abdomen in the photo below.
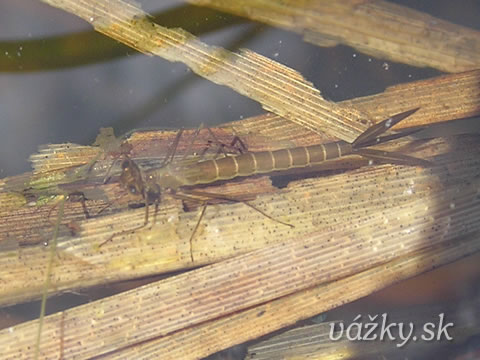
x=262, y=162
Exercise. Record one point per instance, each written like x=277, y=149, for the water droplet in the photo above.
x=276, y=54
x=370, y=162
x=388, y=123
x=452, y=205
x=385, y=66
x=354, y=55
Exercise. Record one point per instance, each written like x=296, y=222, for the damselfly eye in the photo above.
x=125, y=164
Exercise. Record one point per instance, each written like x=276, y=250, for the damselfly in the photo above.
x=179, y=179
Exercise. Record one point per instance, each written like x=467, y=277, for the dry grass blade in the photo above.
x=377, y=28
x=199, y=341
x=85, y=265
x=82, y=264
x=278, y=88
x=440, y=99
x=355, y=231
x=314, y=341
x=387, y=213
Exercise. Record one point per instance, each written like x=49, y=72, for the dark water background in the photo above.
x=46, y=99
x=70, y=103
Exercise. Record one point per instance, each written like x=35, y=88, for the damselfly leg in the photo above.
x=236, y=146
x=208, y=197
